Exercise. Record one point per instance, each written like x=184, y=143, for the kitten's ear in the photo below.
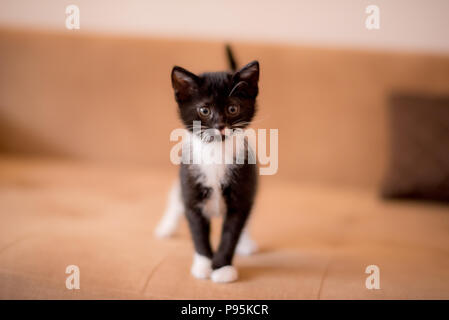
x=184, y=83
x=249, y=74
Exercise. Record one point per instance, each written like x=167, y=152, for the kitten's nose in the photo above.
x=221, y=128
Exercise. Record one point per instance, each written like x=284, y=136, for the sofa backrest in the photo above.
x=104, y=98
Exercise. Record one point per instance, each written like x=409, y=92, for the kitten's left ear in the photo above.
x=249, y=75
x=184, y=83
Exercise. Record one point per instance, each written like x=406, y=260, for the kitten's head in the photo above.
x=219, y=100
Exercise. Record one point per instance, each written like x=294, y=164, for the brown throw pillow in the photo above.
x=419, y=148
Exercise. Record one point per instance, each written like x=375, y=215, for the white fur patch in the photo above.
x=246, y=246
x=214, y=161
x=224, y=274
x=201, y=267
x=175, y=209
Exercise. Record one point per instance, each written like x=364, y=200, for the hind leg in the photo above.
x=246, y=246
x=175, y=209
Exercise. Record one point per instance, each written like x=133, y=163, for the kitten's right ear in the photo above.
x=184, y=82
x=246, y=80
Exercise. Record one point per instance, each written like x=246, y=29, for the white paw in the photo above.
x=165, y=229
x=225, y=274
x=246, y=246
x=201, y=267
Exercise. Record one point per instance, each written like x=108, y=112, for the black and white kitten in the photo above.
x=221, y=102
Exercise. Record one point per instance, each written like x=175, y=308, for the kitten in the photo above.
x=219, y=101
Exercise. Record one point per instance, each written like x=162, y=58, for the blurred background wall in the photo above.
x=405, y=24
x=103, y=93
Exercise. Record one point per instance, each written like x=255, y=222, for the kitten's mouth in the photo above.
x=215, y=136
x=218, y=137
x=223, y=134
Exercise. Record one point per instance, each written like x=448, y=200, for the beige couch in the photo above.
x=84, y=172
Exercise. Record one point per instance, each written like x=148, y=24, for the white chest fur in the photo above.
x=213, y=176
x=213, y=170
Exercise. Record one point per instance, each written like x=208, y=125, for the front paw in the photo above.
x=224, y=274
x=201, y=267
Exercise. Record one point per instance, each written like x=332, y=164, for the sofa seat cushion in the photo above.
x=316, y=241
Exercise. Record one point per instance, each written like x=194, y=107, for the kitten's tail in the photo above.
x=231, y=60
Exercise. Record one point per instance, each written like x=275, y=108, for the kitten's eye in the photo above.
x=233, y=110
x=204, y=111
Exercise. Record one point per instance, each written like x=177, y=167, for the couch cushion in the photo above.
x=419, y=164
x=315, y=241
x=109, y=98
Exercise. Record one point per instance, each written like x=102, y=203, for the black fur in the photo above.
x=231, y=59
x=217, y=91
